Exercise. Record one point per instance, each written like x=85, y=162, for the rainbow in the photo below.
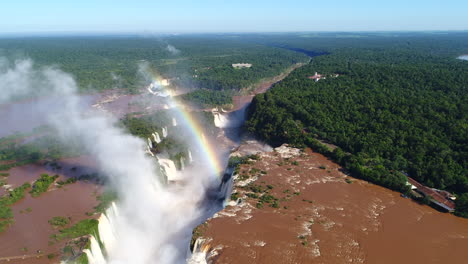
x=195, y=128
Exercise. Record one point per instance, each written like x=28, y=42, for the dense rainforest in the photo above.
x=399, y=106
x=191, y=61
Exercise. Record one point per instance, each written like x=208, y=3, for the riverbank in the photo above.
x=241, y=101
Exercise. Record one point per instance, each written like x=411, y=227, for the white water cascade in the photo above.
x=223, y=119
x=164, y=132
x=156, y=137
x=107, y=236
x=150, y=144
x=174, y=122
x=182, y=163
x=190, y=156
x=220, y=120
x=94, y=253
x=169, y=168
x=201, y=252
x=148, y=150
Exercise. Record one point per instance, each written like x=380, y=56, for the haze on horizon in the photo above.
x=184, y=16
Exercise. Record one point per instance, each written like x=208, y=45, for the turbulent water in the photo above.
x=224, y=119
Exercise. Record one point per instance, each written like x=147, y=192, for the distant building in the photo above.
x=441, y=198
x=241, y=65
x=317, y=77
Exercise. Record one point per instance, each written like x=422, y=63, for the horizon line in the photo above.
x=176, y=33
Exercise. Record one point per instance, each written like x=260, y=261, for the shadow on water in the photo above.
x=81, y=168
x=309, y=53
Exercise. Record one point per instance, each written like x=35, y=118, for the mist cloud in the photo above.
x=154, y=223
x=172, y=50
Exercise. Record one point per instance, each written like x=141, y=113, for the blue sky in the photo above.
x=174, y=16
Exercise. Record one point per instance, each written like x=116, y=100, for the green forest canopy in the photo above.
x=100, y=63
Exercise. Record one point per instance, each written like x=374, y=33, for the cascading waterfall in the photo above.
x=169, y=168
x=156, y=137
x=182, y=163
x=148, y=150
x=150, y=144
x=225, y=191
x=223, y=119
x=220, y=120
x=107, y=237
x=190, y=156
x=164, y=132
x=106, y=227
x=94, y=253
x=174, y=122
x=201, y=252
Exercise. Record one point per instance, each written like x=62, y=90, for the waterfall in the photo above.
x=190, y=156
x=164, y=132
x=225, y=191
x=220, y=120
x=156, y=137
x=169, y=169
x=150, y=144
x=107, y=236
x=150, y=88
x=174, y=122
x=201, y=252
x=148, y=150
x=105, y=227
x=182, y=163
x=223, y=119
x=94, y=253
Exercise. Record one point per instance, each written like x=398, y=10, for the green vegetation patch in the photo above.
x=82, y=228
x=59, y=221
x=105, y=201
x=6, y=214
x=208, y=98
x=42, y=184
x=4, y=224
x=68, y=181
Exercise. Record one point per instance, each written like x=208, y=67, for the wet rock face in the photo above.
x=290, y=206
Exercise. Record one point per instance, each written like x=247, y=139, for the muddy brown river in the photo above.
x=323, y=219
